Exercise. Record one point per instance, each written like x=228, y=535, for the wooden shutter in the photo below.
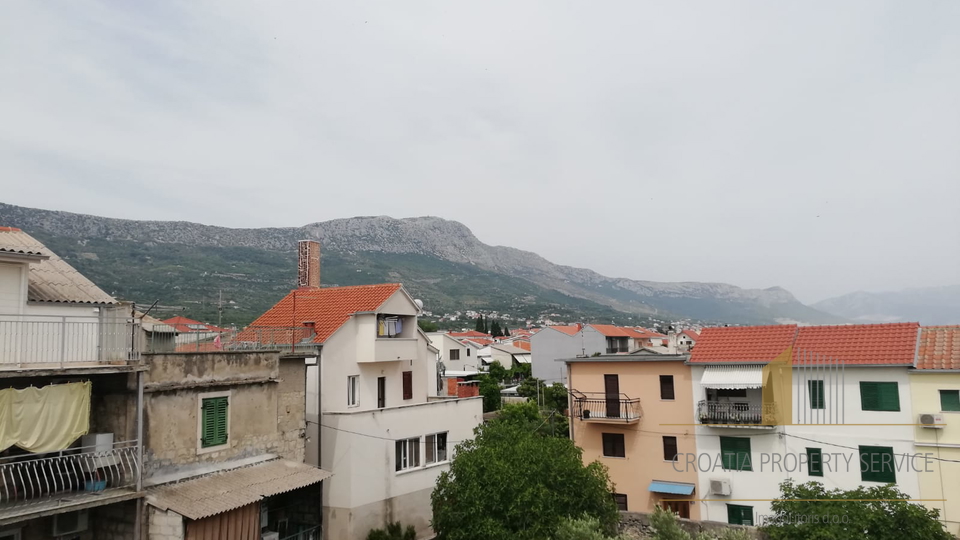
x=815, y=461
x=815, y=394
x=666, y=387
x=877, y=464
x=889, y=396
x=739, y=515
x=213, y=428
x=735, y=453
x=407, y=385
x=950, y=400
x=869, y=396
x=669, y=448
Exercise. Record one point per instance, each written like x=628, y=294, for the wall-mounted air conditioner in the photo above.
x=70, y=523
x=931, y=420
x=720, y=486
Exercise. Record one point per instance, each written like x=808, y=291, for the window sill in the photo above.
x=614, y=457
x=354, y=406
x=422, y=468
x=209, y=449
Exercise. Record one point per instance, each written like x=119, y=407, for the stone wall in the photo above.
x=164, y=525
x=291, y=413
x=636, y=525
x=114, y=521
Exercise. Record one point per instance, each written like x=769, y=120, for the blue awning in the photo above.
x=671, y=488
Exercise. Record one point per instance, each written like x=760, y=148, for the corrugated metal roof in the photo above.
x=51, y=279
x=734, y=377
x=212, y=495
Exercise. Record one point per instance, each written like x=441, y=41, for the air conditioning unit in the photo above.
x=931, y=420
x=720, y=487
x=70, y=523
x=270, y=536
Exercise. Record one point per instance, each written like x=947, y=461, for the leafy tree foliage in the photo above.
x=666, y=527
x=506, y=331
x=394, y=531
x=510, y=482
x=498, y=372
x=490, y=390
x=552, y=396
x=583, y=528
x=480, y=326
x=545, y=422
x=877, y=512
x=427, y=326
x=495, y=330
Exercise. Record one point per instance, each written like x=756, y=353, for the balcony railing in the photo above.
x=600, y=407
x=735, y=413
x=26, y=479
x=616, y=350
x=46, y=340
x=311, y=533
x=294, y=339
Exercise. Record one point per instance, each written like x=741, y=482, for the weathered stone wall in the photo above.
x=291, y=413
x=636, y=525
x=164, y=525
x=114, y=521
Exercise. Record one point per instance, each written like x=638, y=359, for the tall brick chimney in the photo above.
x=308, y=275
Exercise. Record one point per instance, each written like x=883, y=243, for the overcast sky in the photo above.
x=812, y=145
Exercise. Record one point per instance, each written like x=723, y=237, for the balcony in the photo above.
x=736, y=414
x=602, y=408
x=393, y=349
x=76, y=477
x=45, y=341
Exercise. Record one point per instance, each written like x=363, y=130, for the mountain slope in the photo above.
x=438, y=260
x=930, y=305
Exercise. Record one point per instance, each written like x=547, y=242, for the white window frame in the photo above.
x=200, y=398
x=430, y=446
x=353, y=390
x=409, y=446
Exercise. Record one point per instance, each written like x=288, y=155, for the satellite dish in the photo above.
x=419, y=304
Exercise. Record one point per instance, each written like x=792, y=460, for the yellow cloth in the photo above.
x=44, y=419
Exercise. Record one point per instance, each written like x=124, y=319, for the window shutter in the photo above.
x=950, y=400
x=735, y=453
x=666, y=387
x=739, y=515
x=869, y=396
x=407, y=385
x=214, y=422
x=815, y=461
x=877, y=464
x=815, y=394
x=669, y=448
x=889, y=396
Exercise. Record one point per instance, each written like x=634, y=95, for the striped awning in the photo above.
x=733, y=377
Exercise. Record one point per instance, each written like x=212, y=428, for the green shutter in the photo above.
x=213, y=428
x=735, y=453
x=950, y=400
x=877, y=464
x=879, y=396
x=739, y=514
x=815, y=389
x=815, y=461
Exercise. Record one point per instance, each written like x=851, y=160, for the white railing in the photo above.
x=59, y=340
x=27, y=479
x=313, y=533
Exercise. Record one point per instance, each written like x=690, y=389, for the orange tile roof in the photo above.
x=183, y=325
x=758, y=344
x=858, y=344
x=939, y=348
x=691, y=334
x=471, y=333
x=610, y=330
x=568, y=329
x=647, y=334
x=482, y=342
x=327, y=307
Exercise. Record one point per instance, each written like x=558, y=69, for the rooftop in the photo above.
x=758, y=344
x=939, y=348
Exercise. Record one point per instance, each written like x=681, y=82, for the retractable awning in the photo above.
x=671, y=488
x=522, y=358
x=735, y=377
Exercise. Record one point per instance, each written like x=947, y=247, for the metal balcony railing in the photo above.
x=47, y=340
x=295, y=339
x=28, y=479
x=312, y=533
x=603, y=407
x=723, y=412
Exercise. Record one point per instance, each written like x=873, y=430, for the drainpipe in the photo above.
x=137, y=524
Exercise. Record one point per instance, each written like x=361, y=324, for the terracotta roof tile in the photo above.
x=471, y=333
x=742, y=343
x=863, y=344
x=691, y=334
x=187, y=325
x=939, y=348
x=328, y=308
x=568, y=329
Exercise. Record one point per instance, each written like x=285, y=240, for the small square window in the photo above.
x=669, y=448
x=214, y=417
x=613, y=445
x=408, y=454
x=436, y=447
x=621, y=500
x=950, y=400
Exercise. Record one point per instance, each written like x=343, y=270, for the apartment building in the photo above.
x=368, y=400
x=634, y=414
x=935, y=395
x=69, y=468
x=554, y=343
x=848, y=400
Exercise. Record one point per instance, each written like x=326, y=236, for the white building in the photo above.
x=380, y=433
x=850, y=397
x=553, y=343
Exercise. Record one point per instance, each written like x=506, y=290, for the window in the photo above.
x=877, y=465
x=666, y=387
x=879, y=396
x=815, y=461
x=669, y=448
x=739, y=515
x=724, y=392
x=468, y=353
x=353, y=390
x=407, y=385
x=436, y=448
x=213, y=421
x=613, y=445
x=815, y=393
x=735, y=453
x=621, y=500
x=950, y=400
x=12, y=534
x=408, y=454
x=454, y=354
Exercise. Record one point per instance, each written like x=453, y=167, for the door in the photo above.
x=381, y=392
x=611, y=386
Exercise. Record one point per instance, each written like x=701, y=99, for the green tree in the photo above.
x=506, y=331
x=427, y=326
x=520, y=371
x=666, y=527
x=490, y=390
x=528, y=414
x=394, y=531
x=480, y=326
x=495, y=329
x=498, y=372
x=811, y=512
x=483, y=495
x=582, y=528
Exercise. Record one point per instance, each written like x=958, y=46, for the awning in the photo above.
x=735, y=377
x=522, y=358
x=671, y=488
x=212, y=495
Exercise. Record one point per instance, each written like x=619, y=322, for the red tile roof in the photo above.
x=471, y=333
x=482, y=342
x=328, y=308
x=858, y=344
x=939, y=348
x=758, y=344
x=183, y=325
x=569, y=329
x=647, y=334
x=610, y=330
x=691, y=334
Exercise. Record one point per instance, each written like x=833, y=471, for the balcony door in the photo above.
x=381, y=392
x=611, y=387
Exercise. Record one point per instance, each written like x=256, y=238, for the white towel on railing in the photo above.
x=46, y=419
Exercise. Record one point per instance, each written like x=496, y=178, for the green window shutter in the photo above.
x=815, y=461
x=889, y=396
x=213, y=428
x=877, y=464
x=739, y=515
x=879, y=396
x=950, y=400
x=815, y=389
x=735, y=453
x=869, y=396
